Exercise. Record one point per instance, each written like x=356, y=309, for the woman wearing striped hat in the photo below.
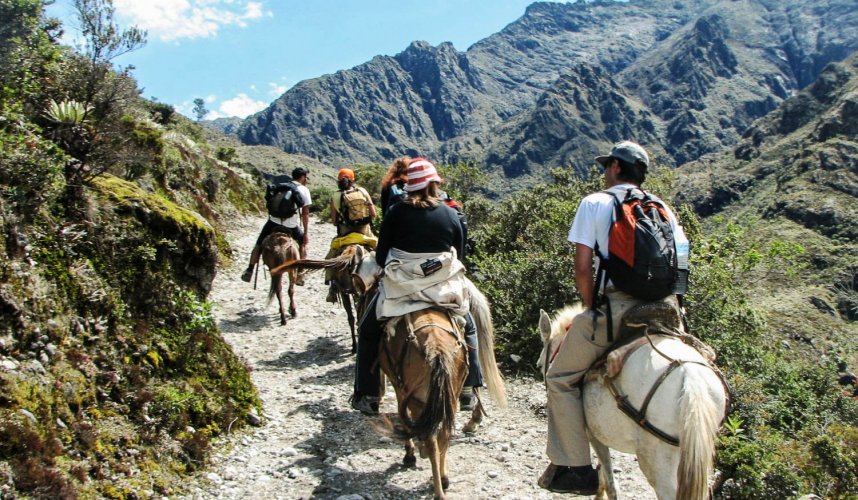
x=420, y=228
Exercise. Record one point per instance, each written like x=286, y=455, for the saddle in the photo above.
x=652, y=318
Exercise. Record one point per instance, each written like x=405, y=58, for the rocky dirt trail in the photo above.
x=311, y=444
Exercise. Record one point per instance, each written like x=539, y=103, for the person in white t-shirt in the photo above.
x=298, y=226
x=568, y=448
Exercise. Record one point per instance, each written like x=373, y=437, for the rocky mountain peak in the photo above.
x=700, y=71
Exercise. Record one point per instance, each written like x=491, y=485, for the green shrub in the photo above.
x=32, y=167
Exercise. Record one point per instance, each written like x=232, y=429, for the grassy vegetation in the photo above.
x=115, y=377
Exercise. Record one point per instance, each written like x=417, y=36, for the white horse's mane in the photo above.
x=563, y=318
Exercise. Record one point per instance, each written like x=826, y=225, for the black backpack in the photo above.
x=282, y=197
x=642, y=258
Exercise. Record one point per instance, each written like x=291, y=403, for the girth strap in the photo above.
x=639, y=416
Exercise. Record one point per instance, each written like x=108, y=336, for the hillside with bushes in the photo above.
x=114, y=378
x=773, y=284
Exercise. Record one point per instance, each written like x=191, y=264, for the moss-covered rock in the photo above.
x=194, y=249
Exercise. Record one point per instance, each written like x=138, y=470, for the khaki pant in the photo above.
x=586, y=341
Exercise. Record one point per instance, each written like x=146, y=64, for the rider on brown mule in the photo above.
x=596, y=233
x=352, y=211
x=288, y=202
x=419, y=230
x=424, y=299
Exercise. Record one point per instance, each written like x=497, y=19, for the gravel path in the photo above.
x=313, y=445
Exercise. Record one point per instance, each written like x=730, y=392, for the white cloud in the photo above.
x=211, y=98
x=175, y=19
x=277, y=89
x=240, y=106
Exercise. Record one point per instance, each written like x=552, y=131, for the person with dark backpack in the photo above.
x=393, y=184
x=642, y=254
x=288, y=201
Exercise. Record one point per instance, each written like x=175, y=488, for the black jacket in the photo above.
x=420, y=230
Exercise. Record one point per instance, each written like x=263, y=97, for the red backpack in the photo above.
x=642, y=259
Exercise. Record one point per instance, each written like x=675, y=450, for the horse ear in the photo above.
x=544, y=325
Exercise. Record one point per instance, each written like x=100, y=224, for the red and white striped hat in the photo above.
x=420, y=173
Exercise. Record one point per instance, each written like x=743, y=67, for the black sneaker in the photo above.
x=368, y=405
x=467, y=399
x=566, y=480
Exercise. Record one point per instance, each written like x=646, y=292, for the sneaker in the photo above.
x=368, y=405
x=247, y=274
x=567, y=480
x=467, y=399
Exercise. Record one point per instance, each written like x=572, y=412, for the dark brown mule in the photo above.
x=341, y=277
x=341, y=268
x=425, y=358
x=279, y=249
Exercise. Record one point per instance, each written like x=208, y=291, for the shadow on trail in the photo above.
x=348, y=440
x=342, y=375
x=252, y=321
x=321, y=351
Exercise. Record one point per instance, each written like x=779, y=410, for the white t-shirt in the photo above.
x=596, y=214
x=295, y=220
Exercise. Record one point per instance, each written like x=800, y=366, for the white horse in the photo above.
x=688, y=405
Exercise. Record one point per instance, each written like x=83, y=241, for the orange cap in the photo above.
x=347, y=173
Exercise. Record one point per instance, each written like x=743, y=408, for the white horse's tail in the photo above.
x=486, y=338
x=700, y=416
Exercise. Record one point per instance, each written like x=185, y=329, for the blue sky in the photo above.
x=239, y=55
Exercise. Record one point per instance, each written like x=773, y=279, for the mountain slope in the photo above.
x=581, y=114
x=795, y=177
x=706, y=68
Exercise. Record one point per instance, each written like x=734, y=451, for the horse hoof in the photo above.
x=282, y=322
x=470, y=428
x=409, y=461
x=445, y=482
x=293, y=313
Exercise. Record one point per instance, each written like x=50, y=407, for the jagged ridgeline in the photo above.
x=113, y=375
x=566, y=80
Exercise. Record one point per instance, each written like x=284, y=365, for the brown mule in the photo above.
x=279, y=249
x=425, y=358
x=341, y=268
x=341, y=277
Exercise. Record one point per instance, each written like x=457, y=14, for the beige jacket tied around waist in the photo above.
x=405, y=289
